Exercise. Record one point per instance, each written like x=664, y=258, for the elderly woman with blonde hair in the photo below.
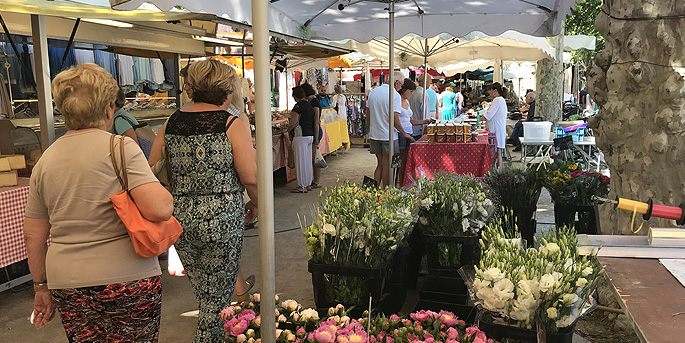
x=211, y=161
x=103, y=290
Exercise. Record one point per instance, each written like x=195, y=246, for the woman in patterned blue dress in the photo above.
x=211, y=161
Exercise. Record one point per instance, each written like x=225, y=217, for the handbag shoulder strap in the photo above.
x=121, y=174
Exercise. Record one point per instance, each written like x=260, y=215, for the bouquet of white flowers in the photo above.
x=517, y=285
x=357, y=227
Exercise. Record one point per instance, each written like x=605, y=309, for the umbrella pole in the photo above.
x=267, y=271
x=391, y=84
x=425, y=79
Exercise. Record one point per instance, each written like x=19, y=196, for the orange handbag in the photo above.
x=150, y=239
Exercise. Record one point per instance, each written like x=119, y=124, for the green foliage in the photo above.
x=581, y=21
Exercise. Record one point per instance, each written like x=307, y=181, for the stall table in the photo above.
x=428, y=159
x=650, y=296
x=12, y=206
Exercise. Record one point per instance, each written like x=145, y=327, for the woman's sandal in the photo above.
x=250, y=281
x=298, y=190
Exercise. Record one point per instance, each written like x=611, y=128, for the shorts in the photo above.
x=404, y=143
x=383, y=147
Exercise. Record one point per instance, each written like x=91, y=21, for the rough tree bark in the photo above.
x=641, y=94
x=549, y=84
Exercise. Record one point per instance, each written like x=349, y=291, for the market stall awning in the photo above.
x=339, y=62
x=364, y=20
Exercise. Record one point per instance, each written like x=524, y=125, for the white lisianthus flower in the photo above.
x=493, y=274
x=587, y=271
x=465, y=224
x=553, y=248
x=557, y=276
x=569, y=299
x=565, y=321
x=344, y=320
x=520, y=314
x=423, y=220
x=525, y=301
x=581, y=282
x=552, y=313
x=455, y=207
x=547, y=282
x=478, y=284
x=329, y=229
x=504, y=289
x=356, y=202
x=282, y=319
x=344, y=232
x=426, y=203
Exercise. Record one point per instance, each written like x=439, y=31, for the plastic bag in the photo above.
x=319, y=161
x=175, y=265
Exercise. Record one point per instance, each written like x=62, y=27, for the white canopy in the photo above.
x=444, y=49
x=323, y=19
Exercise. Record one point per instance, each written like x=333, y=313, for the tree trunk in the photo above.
x=641, y=121
x=549, y=84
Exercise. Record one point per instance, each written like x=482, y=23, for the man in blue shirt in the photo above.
x=432, y=101
x=324, y=99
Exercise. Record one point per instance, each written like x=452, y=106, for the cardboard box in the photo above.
x=8, y=178
x=431, y=138
x=16, y=161
x=452, y=138
x=5, y=164
x=441, y=138
x=430, y=129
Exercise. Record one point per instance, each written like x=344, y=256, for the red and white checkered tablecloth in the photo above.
x=426, y=159
x=12, y=207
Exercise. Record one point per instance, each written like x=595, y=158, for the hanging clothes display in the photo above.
x=107, y=60
x=84, y=56
x=332, y=81
x=27, y=82
x=55, y=55
x=157, y=71
x=355, y=113
x=126, y=70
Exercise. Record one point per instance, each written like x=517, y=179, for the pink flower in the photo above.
x=451, y=341
x=420, y=316
x=227, y=313
x=428, y=338
x=389, y=340
x=248, y=315
x=394, y=318
x=471, y=330
x=300, y=331
x=323, y=336
x=256, y=297
x=236, y=327
x=452, y=333
x=448, y=318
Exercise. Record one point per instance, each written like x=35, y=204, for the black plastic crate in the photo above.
x=524, y=218
x=500, y=332
x=395, y=290
x=375, y=279
x=466, y=313
x=588, y=222
x=469, y=253
x=451, y=290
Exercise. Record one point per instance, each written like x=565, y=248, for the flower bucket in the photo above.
x=465, y=249
x=588, y=222
x=500, y=331
x=525, y=221
x=371, y=281
x=444, y=289
x=396, y=282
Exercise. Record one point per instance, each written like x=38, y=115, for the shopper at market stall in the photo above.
x=408, y=123
x=497, y=117
x=212, y=160
x=378, y=122
x=302, y=127
x=433, y=104
x=324, y=99
x=517, y=133
x=124, y=123
x=420, y=106
x=316, y=106
x=103, y=290
x=339, y=102
x=448, y=102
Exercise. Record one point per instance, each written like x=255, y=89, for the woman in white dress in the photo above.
x=497, y=118
x=339, y=102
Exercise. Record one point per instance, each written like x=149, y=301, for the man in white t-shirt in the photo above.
x=378, y=122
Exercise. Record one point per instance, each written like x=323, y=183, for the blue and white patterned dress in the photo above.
x=208, y=202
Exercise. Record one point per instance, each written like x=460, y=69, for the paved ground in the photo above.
x=293, y=280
